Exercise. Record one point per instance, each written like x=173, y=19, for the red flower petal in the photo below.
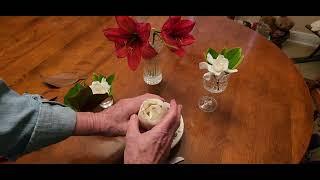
x=168, y=39
x=187, y=40
x=171, y=21
x=148, y=51
x=121, y=50
x=143, y=30
x=183, y=27
x=116, y=34
x=134, y=58
x=127, y=23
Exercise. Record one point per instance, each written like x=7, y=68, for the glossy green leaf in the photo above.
x=77, y=96
x=80, y=97
x=97, y=77
x=234, y=56
x=110, y=79
x=223, y=51
x=213, y=53
x=239, y=62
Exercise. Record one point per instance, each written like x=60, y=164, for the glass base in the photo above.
x=152, y=80
x=207, y=104
x=107, y=102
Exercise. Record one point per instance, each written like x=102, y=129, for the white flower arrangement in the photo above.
x=98, y=87
x=225, y=62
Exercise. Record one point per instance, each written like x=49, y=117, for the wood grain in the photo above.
x=264, y=115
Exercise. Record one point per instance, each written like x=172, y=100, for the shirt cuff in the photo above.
x=54, y=124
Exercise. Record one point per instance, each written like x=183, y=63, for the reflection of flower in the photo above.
x=175, y=33
x=131, y=40
x=216, y=66
x=100, y=87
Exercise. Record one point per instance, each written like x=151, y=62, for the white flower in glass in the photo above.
x=216, y=66
x=100, y=87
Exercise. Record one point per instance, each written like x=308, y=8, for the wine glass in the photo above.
x=213, y=84
x=108, y=102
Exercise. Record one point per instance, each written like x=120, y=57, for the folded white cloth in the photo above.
x=151, y=112
x=315, y=26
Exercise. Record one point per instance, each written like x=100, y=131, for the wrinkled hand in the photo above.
x=154, y=145
x=112, y=121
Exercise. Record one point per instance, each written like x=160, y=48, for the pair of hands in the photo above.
x=120, y=119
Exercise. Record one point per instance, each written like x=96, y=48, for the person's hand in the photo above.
x=154, y=145
x=112, y=121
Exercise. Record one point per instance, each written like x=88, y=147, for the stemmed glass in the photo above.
x=213, y=84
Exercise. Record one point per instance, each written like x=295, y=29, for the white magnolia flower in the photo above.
x=216, y=66
x=100, y=87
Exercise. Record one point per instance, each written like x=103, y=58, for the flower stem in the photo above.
x=154, y=35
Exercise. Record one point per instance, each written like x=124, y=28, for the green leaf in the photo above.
x=239, y=62
x=234, y=56
x=77, y=96
x=223, y=51
x=97, y=77
x=80, y=97
x=110, y=79
x=213, y=53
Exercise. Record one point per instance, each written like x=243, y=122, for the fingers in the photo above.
x=135, y=103
x=133, y=126
x=171, y=120
x=149, y=95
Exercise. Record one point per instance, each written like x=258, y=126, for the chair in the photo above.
x=312, y=57
x=313, y=153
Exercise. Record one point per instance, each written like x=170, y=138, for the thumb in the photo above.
x=133, y=126
x=170, y=119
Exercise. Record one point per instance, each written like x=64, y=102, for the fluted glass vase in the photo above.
x=152, y=73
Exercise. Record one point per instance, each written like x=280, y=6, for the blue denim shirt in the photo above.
x=28, y=122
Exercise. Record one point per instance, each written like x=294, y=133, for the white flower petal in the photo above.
x=100, y=88
x=220, y=64
x=231, y=70
x=210, y=58
x=215, y=72
x=203, y=65
x=103, y=80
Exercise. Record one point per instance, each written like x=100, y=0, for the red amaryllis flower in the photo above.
x=175, y=33
x=131, y=40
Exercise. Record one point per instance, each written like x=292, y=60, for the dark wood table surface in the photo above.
x=264, y=115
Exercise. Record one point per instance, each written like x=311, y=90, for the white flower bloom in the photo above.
x=100, y=87
x=216, y=66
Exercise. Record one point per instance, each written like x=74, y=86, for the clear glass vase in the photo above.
x=152, y=73
x=213, y=84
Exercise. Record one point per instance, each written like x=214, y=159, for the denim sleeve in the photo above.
x=28, y=122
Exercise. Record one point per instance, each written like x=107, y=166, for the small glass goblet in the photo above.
x=213, y=84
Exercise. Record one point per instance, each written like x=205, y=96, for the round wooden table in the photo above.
x=264, y=115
